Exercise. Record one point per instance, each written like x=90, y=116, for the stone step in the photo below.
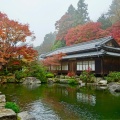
x=2, y=105
x=7, y=114
x=2, y=98
x=25, y=115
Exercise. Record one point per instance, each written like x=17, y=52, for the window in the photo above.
x=92, y=65
x=58, y=67
x=55, y=67
x=65, y=66
x=85, y=65
x=79, y=66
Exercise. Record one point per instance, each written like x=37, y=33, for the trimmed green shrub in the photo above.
x=87, y=76
x=38, y=71
x=49, y=75
x=20, y=74
x=72, y=82
x=113, y=77
x=13, y=106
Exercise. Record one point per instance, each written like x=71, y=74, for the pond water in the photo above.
x=64, y=102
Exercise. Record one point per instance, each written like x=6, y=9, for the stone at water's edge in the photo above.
x=2, y=105
x=114, y=87
x=2, y=99
x=25, y=116
x=31, y=80
x=7, y=114
x=102, y=82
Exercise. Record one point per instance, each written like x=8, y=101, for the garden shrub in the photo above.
x=38, y=71
x=62, y=76
x=87, y=76
x=13, y=106
x=20, y=74
x=71, y=74
x=49, y=75
x=72, y=82
x=113, y=77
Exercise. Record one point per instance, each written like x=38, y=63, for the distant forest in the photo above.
x=75, y=26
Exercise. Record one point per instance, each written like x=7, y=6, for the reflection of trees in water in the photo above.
x=86, y=98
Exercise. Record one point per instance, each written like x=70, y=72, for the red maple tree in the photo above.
x=53, y=60
x=13, y=33
x=86, y=32
x=114, y=31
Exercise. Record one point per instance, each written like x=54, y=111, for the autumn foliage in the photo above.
x=53, y=60
x=63, y=25
x=86, y=32
x=12, y=33
x=114, y=31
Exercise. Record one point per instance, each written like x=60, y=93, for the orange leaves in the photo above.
x=86, y=32
x=53, y=60
x=115, y=31
x=63, y=25
x=27, y=53
x=11, y=33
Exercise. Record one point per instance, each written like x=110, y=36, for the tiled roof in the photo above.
x=83, y=55
x=81, y=46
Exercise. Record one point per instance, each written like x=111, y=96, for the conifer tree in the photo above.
x=81, y=13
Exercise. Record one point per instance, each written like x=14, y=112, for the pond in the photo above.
x=64, y=102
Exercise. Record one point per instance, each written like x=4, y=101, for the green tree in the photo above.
x=81, y=13
x=105, y=21
x=58, y=44
x=114, y=11
x=48, y=42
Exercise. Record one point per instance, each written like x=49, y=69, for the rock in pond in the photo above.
x=31, y=80
x=7, y=114
x=114, y=87
x=102, y=82
x=25, y=116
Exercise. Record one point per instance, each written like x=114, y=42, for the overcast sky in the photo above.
x=41, y=15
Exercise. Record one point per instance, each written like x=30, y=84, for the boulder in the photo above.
x=7, y=114
x=2, y=99
x=101, y=87
x=31, y=80
x=102, y=82
x=25, y=115
x=64, y=81
x=114, y=87
x=2, y=105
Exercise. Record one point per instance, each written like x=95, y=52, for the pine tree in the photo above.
x=114, y=11
x=105, y=21
x=81, y=13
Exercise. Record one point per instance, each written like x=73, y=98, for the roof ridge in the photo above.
x=94, y=40
x=82, y=43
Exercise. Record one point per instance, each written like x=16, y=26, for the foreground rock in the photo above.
x=102, y=82
x=2, y=99
x=25, y=116
x=114, y=87
x=31, y=80
x=7, y=114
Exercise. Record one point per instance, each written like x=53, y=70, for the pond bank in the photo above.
x=62, y=101
x=6, y=114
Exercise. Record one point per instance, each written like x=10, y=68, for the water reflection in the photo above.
x=64, y=102
x=32, y=86
x=42, y=111
x=86, y=98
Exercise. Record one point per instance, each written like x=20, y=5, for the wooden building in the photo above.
x=100, y=55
